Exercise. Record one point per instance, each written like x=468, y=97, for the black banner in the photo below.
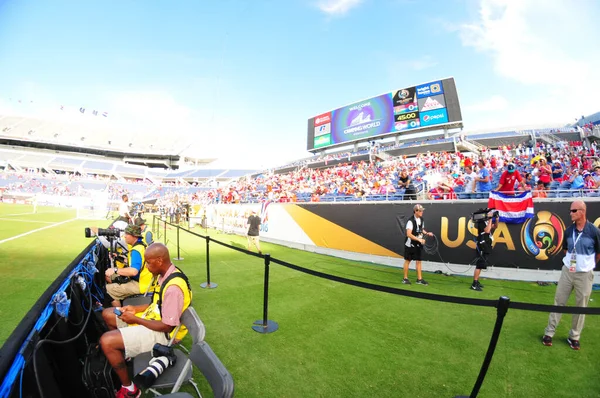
x=535, y=244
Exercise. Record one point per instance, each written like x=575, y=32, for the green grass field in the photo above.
x=333, y=340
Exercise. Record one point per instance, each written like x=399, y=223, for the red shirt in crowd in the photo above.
x=508, y=180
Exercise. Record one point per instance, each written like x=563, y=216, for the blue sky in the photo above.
x=238, y=79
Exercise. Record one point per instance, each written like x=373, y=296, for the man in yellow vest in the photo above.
x=138, y=328
x=135, y=277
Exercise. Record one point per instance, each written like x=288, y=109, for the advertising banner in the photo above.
x=323, y=140
x=431, y=103
x=434, y=117
x=322, y=119
x=427, y=89
x=363, y=119
x=323, y=129
x=379, y=229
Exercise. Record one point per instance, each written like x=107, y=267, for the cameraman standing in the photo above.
x=415, y=230
x=485, y=227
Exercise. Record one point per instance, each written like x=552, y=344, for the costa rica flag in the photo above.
x=513, y=209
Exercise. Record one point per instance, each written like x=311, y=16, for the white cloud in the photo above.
x=545, y=46
x=338, y=7
x=493, y=104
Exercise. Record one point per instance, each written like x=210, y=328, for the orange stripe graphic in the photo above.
x=326, y=234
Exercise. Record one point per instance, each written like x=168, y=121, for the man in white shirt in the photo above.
x=469, y=178
x=124, y=210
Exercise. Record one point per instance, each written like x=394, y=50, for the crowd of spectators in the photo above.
x=545, y=169
x=566, y=166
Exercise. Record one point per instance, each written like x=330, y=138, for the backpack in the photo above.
x=98, y=376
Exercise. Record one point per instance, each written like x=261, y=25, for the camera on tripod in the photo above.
x=162, y=357
x=485, y=214
x=108, y=232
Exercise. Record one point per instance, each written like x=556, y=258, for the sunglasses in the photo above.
x=574, y=210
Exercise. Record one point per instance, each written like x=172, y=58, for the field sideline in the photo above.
x=334, y=340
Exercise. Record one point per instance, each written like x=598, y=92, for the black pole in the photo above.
x=178, y=253
x=265, y=325
x=208, y=284
x=503, y=303
x=165, y=234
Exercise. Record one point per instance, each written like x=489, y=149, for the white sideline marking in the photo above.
x=35, y=230
x=19, y=220
x=18, y=214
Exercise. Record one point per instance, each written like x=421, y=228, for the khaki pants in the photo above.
x=119, y=292
x=254, y=240
x=582, y=283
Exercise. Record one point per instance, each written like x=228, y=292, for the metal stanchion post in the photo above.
x=503, y=303
x=179, y=258
x=165, y=233
x=208, y=284
x=265, y=325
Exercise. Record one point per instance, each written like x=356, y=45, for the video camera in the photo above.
x=109, y=233
x=485, y=214
x=162, y=357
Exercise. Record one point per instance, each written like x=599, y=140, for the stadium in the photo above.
x=322, y=304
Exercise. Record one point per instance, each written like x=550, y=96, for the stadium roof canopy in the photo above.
x=97, y=137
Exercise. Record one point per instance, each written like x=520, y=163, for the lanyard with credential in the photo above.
x=576, y=240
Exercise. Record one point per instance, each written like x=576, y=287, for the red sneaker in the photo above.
x=574, y=344
x=125, y=393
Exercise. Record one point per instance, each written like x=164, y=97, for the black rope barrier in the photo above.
x=502, y=309
x=410, y=293
x=502, y=304
x=389, y=289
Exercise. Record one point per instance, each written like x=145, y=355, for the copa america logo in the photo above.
x=542, y=236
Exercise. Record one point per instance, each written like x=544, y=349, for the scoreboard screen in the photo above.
x=404, y=110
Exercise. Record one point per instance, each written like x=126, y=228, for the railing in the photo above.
x=265, y=325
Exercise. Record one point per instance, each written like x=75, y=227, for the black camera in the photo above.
x=162, y=357
x=484, y=215
x=109, y=233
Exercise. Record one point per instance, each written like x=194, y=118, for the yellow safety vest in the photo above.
x=145, y=279
x=153, y=310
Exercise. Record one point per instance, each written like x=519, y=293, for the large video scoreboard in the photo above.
x=424, y=107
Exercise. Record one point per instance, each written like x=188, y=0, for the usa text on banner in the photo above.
x=513, y=209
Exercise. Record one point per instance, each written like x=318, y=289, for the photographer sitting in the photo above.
x=138, y=328
x=134, y=278
x=486, y=221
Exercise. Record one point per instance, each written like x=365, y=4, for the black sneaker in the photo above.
x=476, y=286
x=574, y=344
x=406, y=281
x=479, y=284
x=547, y=341
x=422, y=282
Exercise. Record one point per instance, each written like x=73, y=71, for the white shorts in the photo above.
x=138, y=339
